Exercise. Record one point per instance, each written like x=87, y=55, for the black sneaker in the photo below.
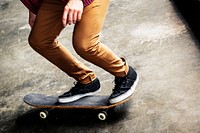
x=124, y=86
x=79, y=91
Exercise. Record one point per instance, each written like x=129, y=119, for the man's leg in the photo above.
x=87, y=45
x=42, y=39
x=86, y=40
x=47, y=27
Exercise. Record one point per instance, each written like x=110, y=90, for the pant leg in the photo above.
x=86, y=40
x=47, y=27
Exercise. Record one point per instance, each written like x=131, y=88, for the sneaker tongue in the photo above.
x=119, y=80
x=76, y=87
x=118, y=83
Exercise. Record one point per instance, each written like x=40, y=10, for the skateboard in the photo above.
x=47, y=103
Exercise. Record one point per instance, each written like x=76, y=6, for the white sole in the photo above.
x=76, y=97
x=125, y=95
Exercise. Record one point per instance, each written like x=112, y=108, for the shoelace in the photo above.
x=76, y=88
x=118, y=83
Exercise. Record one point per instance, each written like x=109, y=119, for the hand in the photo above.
x=72, y=12
x=32, y=17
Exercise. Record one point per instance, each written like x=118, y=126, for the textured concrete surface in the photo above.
x=153, y=38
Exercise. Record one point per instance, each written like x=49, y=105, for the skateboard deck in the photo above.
x=91, y=102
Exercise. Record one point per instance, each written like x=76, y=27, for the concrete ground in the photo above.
x=153, y=38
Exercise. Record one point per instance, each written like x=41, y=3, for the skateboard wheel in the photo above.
x=43, y=114
x=102, y=116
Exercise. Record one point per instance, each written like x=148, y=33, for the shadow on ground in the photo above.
x=59, y=119
x=190, y=10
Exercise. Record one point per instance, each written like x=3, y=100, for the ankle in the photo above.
x=89, y=79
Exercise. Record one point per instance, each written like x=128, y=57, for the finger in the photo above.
x=75, y=17
x=79, y=15
x=31, y=24
x=65, y=16
x=70, y=17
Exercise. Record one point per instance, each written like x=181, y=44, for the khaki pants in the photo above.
x=47, y=27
